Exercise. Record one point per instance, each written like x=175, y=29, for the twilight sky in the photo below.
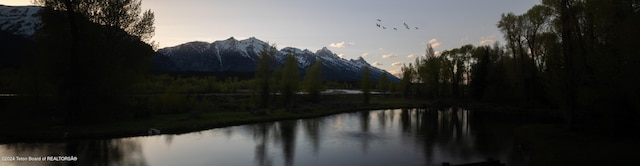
x=347, y=27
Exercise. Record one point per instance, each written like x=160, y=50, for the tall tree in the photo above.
x=534, y=22
x=365, y=84
x=313, y=80
x=480, y=71
x=290, y=80
x=431, y=72
x=513, y=28
x=383, y=83
x=406, y=86
x=263, y=74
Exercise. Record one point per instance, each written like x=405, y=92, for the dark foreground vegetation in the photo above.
x=228, y=110
x=578, y=57
x=575, y=58
x=574, y=61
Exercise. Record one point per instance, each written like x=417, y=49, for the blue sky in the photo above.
x=347, y=27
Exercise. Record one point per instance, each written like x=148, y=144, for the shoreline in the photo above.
x=185, y=122
x=172, y=124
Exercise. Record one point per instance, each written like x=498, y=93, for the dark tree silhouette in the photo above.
x=90, y=62
x=263, y=74
x=313, y=80
x=290, y=80
x=366, y=84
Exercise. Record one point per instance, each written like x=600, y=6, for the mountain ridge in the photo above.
x=232, y=55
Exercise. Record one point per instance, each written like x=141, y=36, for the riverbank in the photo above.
x=38, y=131
x=35, y=130
x=550, y=144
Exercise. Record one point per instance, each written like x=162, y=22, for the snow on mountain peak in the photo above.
x=234, y=55
x=325, y=52
x=252, y=42
x=360, y=61
x=296, y=51
x=20, y=20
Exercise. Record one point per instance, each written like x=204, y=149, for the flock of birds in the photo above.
x=394, y=28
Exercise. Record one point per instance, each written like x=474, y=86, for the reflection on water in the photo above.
x=384, y=137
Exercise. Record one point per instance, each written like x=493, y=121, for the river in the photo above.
x=379, y=137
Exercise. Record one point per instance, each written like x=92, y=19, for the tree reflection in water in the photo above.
x=287, y=139
x=382, y=119
x=451, y=134
x=261, y=136
x=283, y=133
x=382, y=137
x=364, y=129
x=312, y=129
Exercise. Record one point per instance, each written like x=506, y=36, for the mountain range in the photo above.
x=232, y=55
x=21, y=22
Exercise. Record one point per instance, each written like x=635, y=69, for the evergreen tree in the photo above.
x=313, y=80
x=366, y=84
x=263, y=74
x=383, y=83
x=290, y=80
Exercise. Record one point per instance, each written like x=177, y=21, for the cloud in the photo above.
x=385, y=56
x=341, y=56
x=411, y=56
x=364, y=54
x=435, y=43
x=437, y=53
x=341, y=44
x=397, y=64
x=487, y=40
x=377, y=64
x=380, y=49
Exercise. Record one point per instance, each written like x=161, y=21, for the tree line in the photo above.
x=284, y=80
x=577, y=56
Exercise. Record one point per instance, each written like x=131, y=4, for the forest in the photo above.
x=577, y=57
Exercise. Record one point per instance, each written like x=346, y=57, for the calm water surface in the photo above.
x=381, y=137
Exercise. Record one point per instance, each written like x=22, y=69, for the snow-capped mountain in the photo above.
x=18, y=25
x=233, y=55
x=20, y=20
x=226, y=55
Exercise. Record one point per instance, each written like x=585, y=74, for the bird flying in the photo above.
x=379, y=25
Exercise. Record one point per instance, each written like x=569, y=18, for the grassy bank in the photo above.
x=27, y=130
x=550, y=145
